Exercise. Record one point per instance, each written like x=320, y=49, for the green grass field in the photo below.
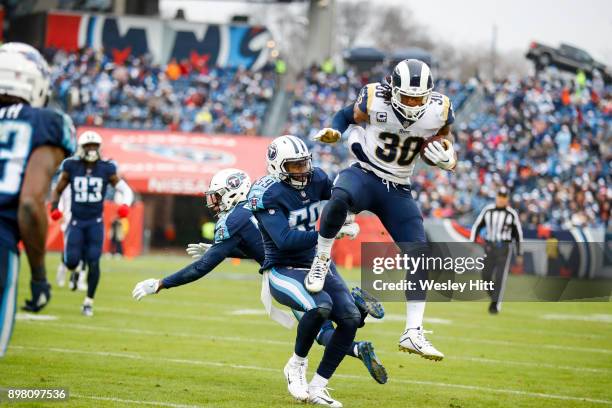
x=208, y=344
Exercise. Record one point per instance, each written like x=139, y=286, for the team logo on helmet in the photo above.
x=272, y=152
x=235, y=180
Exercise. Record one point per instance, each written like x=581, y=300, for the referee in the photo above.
x=502, y=226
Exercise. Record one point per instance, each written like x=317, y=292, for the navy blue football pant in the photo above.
x=9, y=270
x=334, y=302
x=357, y=190
x=84, y=239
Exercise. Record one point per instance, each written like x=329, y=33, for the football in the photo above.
x=429, y=140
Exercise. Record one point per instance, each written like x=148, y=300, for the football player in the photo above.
x=33, y=142
x=287, y=204
x=397, y=117
x=237, y=236
x=81, y=273
x=88, y=176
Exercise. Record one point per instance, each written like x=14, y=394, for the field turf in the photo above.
x=209, y=344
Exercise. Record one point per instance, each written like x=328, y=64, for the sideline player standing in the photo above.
x=33, y=141
x=88, y=176
x=502, y=226
x=237, y=235
x=398, y=116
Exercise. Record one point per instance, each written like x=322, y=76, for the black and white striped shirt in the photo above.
x=502, y=225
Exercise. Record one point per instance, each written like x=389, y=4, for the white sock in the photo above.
x=356, y=350
x=318, y=381
x=88, y=301
x=324, y=246
x=295, y=359
x=414, y=314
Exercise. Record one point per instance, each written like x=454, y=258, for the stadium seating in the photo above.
x=545, y=137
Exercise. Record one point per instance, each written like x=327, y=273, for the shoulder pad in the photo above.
x=62, y=127
x=221, y=230
x=261, y=192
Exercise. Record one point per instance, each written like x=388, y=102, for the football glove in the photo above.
x=145, y=288
x=41, y=295
x=348, y=230
x=444, y=159
x=123, y=211
x=197, y=250
x=56, y=214
x=327, y=135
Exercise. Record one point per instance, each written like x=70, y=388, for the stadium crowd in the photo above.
x=547, y=138
x=138, y=94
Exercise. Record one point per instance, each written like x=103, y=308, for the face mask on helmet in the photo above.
x=214, y=201
x=90, y=152
x=297, y=172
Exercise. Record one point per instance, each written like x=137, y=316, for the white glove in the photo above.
x=444, y=159
x=327, y=135
x=197, y=250
x=145, y=288
x=350, y=218
x=348, y=230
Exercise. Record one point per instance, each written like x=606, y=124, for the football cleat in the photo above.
x=73, y=282
x=367, y=303
x=87, y=310
x=295, y=374
x=82, y=282
x=372, y=363
x=413, y=341
x=315, y=279
x=41, y=295
x=60, y=277
x=320, y=396
x=494, y=308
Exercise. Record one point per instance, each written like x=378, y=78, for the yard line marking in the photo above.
x=356, y=377
x=32, y=316
x=510, y=343
x=165, y=334
x=137, y=402
x=593, y=317
x=529, y=364
x=289, y=343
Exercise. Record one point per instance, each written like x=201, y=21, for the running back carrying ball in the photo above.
x=426, y=142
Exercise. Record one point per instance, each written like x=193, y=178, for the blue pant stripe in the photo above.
x=298, y=285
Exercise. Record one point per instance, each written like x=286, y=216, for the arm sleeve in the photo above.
x=238, y=253
x=200, y=268
x=125, y=194
x=478, y=225
x=343, y=118
x=277, y=226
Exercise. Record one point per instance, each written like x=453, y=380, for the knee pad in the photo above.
x=323, y=311
x=350, y=322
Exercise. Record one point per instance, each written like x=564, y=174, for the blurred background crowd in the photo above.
x=547, y=137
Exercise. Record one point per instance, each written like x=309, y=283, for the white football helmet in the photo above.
x=227, y=188
x=411, y=78
x=90, y=154
x=287, y=150
x=24, y=74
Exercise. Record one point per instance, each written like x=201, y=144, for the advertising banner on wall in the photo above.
x=220, y=45
x=160, y=162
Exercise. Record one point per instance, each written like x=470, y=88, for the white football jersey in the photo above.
x=389, y=145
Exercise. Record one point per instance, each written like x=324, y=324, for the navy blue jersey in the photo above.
x=22, y=130
x=287, y=218
x=239, y=225
x=236, y=236
x=88, y=183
